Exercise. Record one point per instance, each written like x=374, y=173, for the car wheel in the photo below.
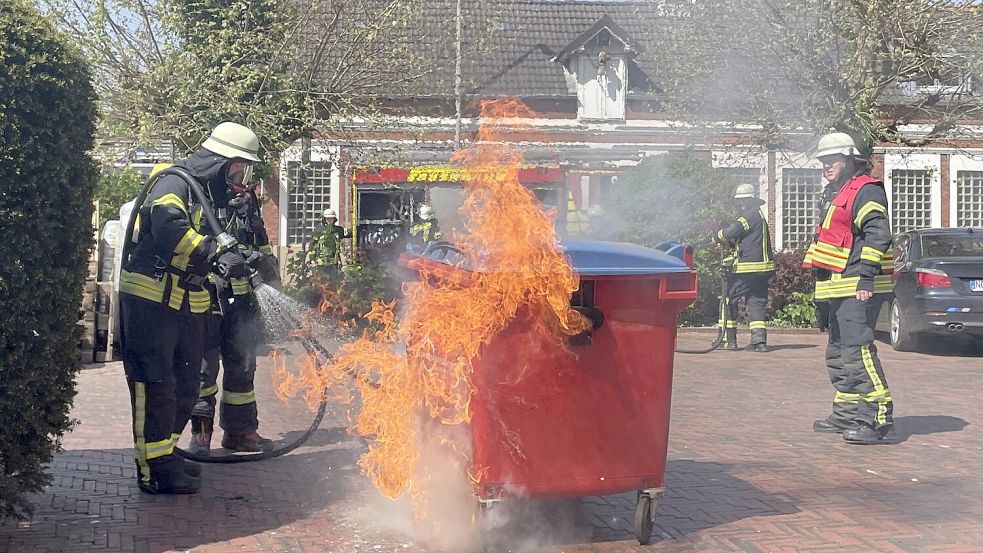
x=901, y=338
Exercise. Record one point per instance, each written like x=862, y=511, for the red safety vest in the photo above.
x=831, y=248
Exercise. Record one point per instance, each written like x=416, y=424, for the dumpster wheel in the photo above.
x=648, y=501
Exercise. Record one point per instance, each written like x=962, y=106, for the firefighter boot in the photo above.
x=864, y=434
x=250, y=443
x=169, y=477
x=759, y=338
x=829, y=427
x=201, y=436
x=730, y=340
x=192, y=468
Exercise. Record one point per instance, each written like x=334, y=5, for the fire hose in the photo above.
x=722, y=311
x=312, y=346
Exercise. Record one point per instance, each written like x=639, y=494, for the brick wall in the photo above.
x=271, y=206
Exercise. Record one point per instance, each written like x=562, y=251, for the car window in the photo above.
x=901, y=247
x=952, y=246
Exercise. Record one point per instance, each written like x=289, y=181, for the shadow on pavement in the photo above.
x=93, y=497
x=320, y=437
x=928, y=424
x=779, y=347
x=699, y=495
x=941, y=345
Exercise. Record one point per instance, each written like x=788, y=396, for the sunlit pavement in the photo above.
x=745, y=473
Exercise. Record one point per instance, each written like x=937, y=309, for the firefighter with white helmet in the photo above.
x=235, y=330
x=326, y=243
x=165, y=300
x=426, y=228
x=853, y=262
x=753, y=266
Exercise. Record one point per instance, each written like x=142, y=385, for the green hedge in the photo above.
x=47, y=114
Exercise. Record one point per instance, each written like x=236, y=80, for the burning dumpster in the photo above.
x=588, y=415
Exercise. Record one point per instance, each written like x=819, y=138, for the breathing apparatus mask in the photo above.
x=240, y=188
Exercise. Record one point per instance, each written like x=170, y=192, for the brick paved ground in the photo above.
x=745, y=473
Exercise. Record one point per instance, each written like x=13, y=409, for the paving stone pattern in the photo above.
x=745, y=473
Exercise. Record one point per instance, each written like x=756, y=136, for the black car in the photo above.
x=938, y=285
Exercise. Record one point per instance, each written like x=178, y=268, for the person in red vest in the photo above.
x=853, y=262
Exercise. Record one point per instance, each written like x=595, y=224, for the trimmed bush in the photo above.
x=790, y=283
x=47, y=114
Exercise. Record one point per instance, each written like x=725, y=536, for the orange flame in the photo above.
x=419, y=372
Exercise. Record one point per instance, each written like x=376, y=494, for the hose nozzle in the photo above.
x=255, y=279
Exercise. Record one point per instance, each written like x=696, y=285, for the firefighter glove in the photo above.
x=232, y=264
x=254, y=259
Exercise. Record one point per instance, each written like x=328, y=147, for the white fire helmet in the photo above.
x=836, y=143
x=233, y=141
x=744, y=191
x=426, y=212
x=329, y=213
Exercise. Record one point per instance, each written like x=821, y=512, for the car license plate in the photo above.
x=976, y=285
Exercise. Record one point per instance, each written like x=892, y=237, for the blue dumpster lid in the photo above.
x=590, y=258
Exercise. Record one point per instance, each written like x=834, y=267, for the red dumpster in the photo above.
x=590, y=418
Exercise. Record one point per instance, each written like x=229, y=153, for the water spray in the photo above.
x=225, y=242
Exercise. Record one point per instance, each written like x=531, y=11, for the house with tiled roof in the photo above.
x=585, y=68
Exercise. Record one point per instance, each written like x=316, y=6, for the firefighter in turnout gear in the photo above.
x=165, y=303
x=427, y=228
x=754, y=264
x=853, y=263
x=234, y=331
x=326, y=243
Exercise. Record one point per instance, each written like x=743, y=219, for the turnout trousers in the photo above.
x=753, y=287
x=162, y=350
x=862, y=394
x=232, y=343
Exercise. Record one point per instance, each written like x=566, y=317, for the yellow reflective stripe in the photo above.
x=136, y=229
x=208, y=391
x=185, y=247
x=139, y=419
x=844, y=287
x=196, y=219
x=199, y=301
x=757, y=325
x=731, y=324
x=238, y=398
x=881, y=395
x=240, y=286
x=171, y=199
x=754, y=266
x=844, y=397
x=160, y=448
x=870, y=368
x=871, y=254
x=887, y=261
x=867, y=209
x=141, y=286
x=744, y=223
x=177, y=294
x=807, y=260
x=828, y=220
x=765, y=254
x=828, y=254
x=188, y=242
x=266, y=249
x=175, y=438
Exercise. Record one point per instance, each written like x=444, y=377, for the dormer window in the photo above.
x=596, y=64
